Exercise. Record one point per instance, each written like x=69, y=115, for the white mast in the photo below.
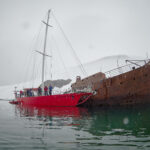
x=44, y=49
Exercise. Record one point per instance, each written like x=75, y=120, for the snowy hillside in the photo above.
x=103, y=65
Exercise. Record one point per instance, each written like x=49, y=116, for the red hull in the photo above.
x=72, y=99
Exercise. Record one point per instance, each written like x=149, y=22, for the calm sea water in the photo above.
x=74, y=128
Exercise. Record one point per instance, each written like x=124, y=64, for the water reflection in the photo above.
x=127, y=121
x=116, y=127
x=26, y=110
x=120, y=121
x=52, y=114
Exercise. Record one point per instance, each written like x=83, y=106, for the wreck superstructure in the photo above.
x=125, y=88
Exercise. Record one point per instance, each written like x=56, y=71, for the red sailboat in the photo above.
x=69, y=99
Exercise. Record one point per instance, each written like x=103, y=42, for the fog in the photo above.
x=95, y=28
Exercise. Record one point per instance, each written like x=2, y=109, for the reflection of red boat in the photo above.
x=73, y=99
x=27, y=110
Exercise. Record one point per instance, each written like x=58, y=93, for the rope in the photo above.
x=29, y=55
x=29, y=61
x=33, y=73
x=58, y=50
x=73, y=51
x=84, y=99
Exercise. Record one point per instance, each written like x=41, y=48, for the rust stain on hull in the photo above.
x=129, y=88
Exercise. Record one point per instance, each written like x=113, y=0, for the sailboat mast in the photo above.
x=44, y=50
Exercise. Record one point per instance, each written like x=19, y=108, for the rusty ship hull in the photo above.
x=129, y=88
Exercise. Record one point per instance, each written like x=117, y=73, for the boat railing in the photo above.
x=126, y=68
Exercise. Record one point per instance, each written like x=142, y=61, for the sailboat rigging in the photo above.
x=69, y=99
x=44, y=48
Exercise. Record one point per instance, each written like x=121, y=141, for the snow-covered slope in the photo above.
x=103, y=65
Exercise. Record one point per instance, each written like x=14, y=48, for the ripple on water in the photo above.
x=74, y=128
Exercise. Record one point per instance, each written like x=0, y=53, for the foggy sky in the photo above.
x=96, y=28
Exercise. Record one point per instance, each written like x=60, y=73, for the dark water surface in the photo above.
x=74, y=128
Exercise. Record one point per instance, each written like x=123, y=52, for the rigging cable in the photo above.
x=58, y=50
x=36, y=37
x=33, y=72
x=32, y=49
x=74, y=53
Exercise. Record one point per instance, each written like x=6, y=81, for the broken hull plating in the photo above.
x=129, y=88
